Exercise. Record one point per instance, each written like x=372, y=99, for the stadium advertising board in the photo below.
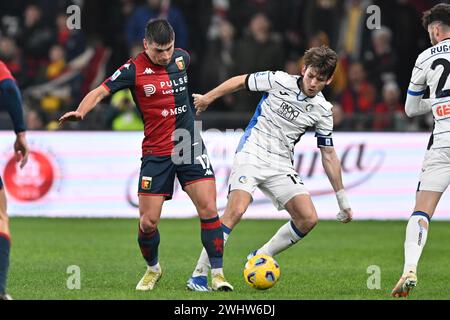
x=95, y=174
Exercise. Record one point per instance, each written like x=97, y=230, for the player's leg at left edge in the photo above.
x=5, y=244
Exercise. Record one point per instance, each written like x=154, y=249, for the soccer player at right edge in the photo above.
x=264, y=157
x=431, y=69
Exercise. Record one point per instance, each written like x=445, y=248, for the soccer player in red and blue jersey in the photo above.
x=172, y=146
x=11, y=101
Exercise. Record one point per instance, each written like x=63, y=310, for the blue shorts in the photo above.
x=157, y=174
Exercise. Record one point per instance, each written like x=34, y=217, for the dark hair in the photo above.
x=159, y=31
x=323, y=59
x=440, y=12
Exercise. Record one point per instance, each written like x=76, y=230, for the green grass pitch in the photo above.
x=330, y=263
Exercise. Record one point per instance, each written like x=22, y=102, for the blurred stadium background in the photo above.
x=74, y=172
x=55, y=67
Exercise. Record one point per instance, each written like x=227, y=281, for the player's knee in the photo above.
x=311, y=222
x=236, y=212
x=148, y=225
x=4, y=219
x=207, y=209
x=306, y=223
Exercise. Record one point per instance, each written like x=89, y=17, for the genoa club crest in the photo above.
x=180, y=63
x=146, y=183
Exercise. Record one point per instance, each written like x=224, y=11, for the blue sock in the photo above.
x=212, y=239
x=149, y=243
x=423, y=214
x=4, y=261
x=226, y=230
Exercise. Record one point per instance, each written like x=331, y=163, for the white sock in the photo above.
x=416, y=237
x=216, y=271
x=285, y=237
x=203, y=265
x=155, y=268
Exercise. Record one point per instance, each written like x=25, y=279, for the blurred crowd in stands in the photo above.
x=56, y=66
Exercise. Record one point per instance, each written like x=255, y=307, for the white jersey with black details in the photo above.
x=432, y=69
x=282, y=117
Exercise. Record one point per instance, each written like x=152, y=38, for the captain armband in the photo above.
x=324, y=141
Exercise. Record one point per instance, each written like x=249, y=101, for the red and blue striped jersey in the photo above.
x=161, y=96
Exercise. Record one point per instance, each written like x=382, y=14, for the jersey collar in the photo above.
x=151, y=62
x=301, y=96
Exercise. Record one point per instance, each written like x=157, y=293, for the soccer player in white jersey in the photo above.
x=432, y=69
x=264, y=157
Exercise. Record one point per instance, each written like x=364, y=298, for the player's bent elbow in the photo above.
x=409, y=112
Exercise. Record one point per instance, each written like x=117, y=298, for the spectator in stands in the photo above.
x=291, y=66
x=409, y=38
x=390, y=112
x=127, y=7
x=322, y=16
x=339, y=78
x=218, y=64
x=35, y=40
x=57, y=62
x=358, y=98
x=353, y=35
x=12, y=57
x=380, y=61
x=259, y=49
x=72, y=40
x=124, y=115
x=54, y=100
x=156, y=9
x=36, y=120
x=340, y=121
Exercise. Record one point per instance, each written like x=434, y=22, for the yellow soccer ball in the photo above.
x=261, y=272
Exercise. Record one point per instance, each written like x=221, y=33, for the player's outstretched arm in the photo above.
x=201, y=102
x=86, y=105
x=332, y=167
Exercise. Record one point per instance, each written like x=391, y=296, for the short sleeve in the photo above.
x=324, y=129
x=418, y=82
x=124, y=77
x=265, y=80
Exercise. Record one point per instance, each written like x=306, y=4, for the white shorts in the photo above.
x=279, y=184
x=435, y=175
